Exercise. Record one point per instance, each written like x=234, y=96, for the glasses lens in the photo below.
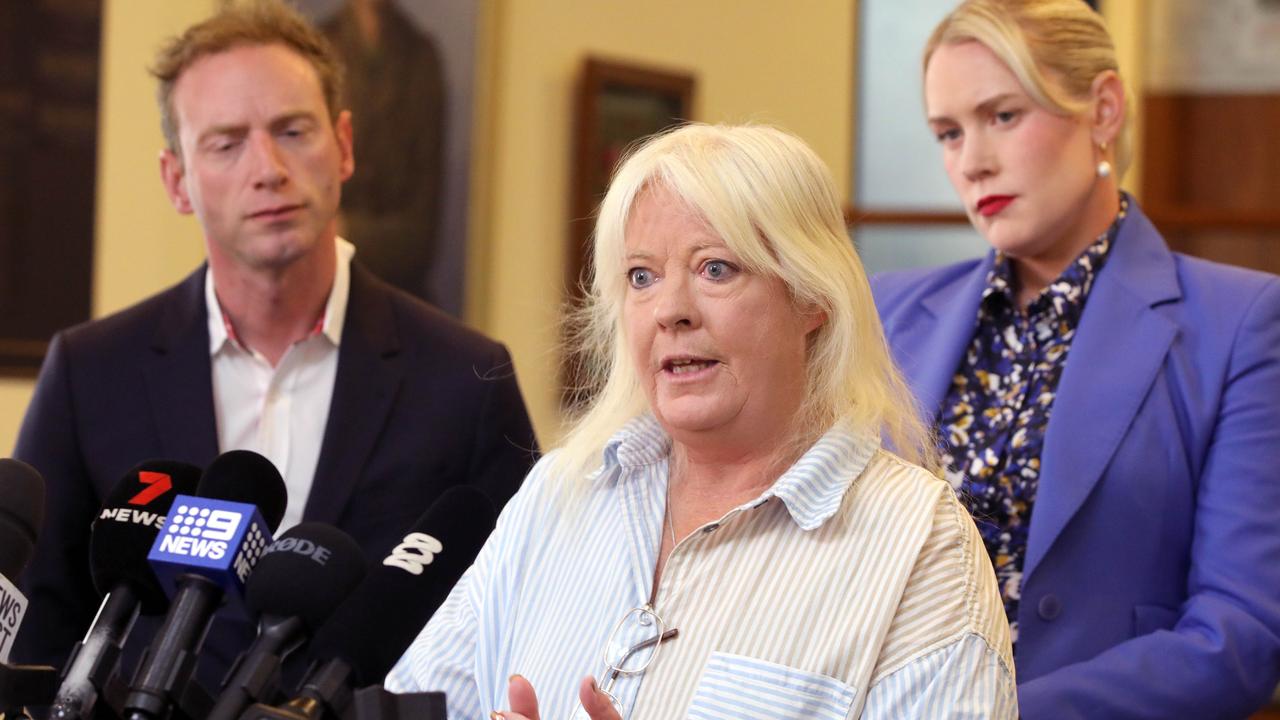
x=634, y=641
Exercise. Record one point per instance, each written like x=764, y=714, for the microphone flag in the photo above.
x=218, y=539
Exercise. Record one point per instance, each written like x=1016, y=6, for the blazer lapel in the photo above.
x=1117, y=352
x=931, y=346
x=368, y=377
x=179, y=377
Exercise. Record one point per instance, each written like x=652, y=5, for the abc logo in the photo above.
x=415, y=553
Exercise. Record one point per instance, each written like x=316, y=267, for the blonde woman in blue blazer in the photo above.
x=1109, y=410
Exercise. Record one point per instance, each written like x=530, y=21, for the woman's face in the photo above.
x=720, y=351
x=1024, y=174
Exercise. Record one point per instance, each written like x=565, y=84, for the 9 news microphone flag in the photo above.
x=207, y=548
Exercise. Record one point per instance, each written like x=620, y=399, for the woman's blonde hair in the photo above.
x=773, y=202
x=1056, y=48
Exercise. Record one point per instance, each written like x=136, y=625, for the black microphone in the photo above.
x=371, y=630
x=205, y=552
x=296, y=585
x=21, y=516
x=122, y=534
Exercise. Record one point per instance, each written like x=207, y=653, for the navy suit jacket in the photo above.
x=420, y=404
x=1151, y=584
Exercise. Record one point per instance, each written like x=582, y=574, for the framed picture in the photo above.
x=410, y=86
x=618, y=104
x=49, y=71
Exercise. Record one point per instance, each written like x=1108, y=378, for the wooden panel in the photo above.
x=1215, y=152
x=1211, y=169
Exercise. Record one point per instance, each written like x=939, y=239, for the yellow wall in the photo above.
x=757, y=60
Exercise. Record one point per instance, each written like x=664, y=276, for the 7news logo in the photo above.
x=155, y=485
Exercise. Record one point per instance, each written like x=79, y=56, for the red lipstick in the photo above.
x=992, y=204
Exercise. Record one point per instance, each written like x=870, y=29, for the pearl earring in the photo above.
x=1104, y=169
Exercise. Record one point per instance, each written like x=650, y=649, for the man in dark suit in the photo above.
x=370, y=402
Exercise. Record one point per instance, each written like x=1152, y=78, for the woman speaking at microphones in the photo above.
x=723, y=532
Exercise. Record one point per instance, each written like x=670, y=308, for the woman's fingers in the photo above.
x=524, y=702
x=595, y=701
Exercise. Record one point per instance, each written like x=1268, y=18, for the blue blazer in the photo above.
x=1151, y=584
x=420, y=404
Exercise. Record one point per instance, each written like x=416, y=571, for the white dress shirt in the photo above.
x=855, y=586
x=279, y=412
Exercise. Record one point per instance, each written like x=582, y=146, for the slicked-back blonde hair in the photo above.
x=1056, y=48
x=773, y=202
x=255, y=22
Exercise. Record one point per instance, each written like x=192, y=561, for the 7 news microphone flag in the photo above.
x=123, y=532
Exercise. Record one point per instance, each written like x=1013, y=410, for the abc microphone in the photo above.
x=371, y=629
x=21, y=515
x=206, y=550
x=123, y=532
x=297, y=583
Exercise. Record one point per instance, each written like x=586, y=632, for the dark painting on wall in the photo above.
x=618, y=104
x=410, y=65
x=48, y=150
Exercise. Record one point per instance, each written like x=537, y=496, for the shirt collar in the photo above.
x=1069, y=291
x=811, y=489
x=330, y=324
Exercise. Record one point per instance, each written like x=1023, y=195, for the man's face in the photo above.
x=262, y=166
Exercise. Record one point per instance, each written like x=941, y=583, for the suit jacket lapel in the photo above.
x=368, y=376
x=931, y=346
x=179, y=376
x=1118, y=349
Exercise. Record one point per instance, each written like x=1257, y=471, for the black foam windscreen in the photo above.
x=305, y=573
x=21, y=514
x=372, y=628
x=247, y=477
x=128, y=523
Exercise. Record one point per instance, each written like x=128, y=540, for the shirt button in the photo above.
x=1050, y=607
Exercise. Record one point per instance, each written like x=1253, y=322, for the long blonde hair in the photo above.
x=1056, y=48
x=773, y=202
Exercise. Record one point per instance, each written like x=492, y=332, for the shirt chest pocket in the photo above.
x=736, y=686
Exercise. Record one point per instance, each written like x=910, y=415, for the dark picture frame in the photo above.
x=617, y=104
x=49, y=68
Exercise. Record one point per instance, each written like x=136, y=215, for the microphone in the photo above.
x=205, y=552
x=371, y=629
x=21, y=516
x=297, y=583
x=123, y=532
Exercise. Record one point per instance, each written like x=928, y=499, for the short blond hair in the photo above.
x=260, y=22
x=1056, y=49
x=773, y=202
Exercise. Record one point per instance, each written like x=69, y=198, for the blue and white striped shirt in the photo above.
x=855, y=586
